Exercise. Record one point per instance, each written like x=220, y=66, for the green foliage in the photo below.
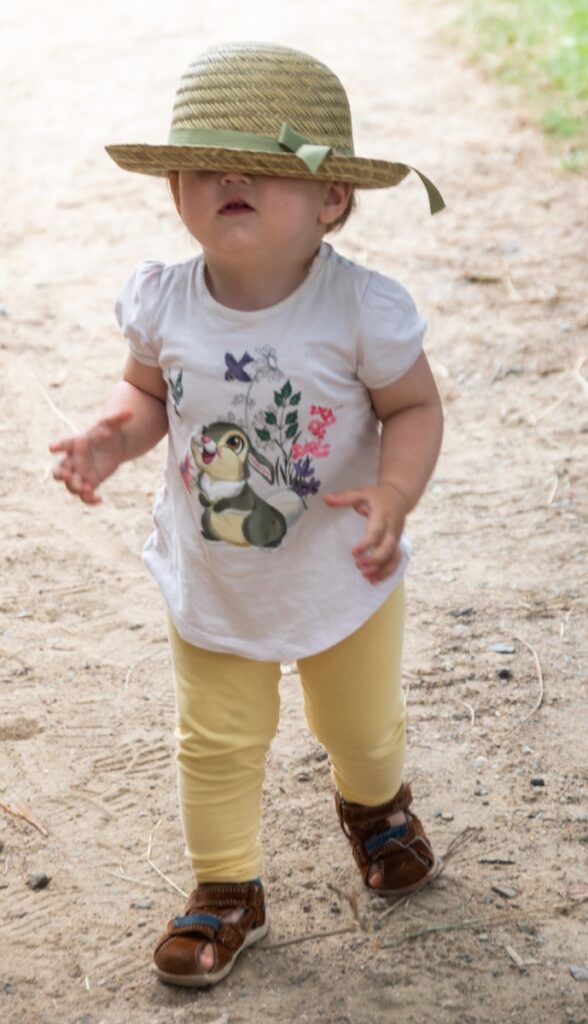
x=541, y=47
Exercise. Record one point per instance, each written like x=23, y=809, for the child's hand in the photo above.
x=385, y=509
x=91, y=457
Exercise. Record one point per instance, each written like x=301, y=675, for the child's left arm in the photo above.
x=412, y=427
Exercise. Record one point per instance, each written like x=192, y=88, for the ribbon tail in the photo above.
x=436, y=200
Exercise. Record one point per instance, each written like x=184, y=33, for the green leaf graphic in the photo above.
x=271, y=419
x=263, y=435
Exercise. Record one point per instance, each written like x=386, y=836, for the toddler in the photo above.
x=297, y=399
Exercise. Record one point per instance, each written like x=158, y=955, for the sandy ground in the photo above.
x=497, y=740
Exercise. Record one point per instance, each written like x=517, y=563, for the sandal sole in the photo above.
x=432, y=873
x=208, y=980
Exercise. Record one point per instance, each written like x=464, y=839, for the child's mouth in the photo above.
x=235, y=207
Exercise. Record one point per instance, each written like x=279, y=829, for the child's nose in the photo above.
x=234, y=177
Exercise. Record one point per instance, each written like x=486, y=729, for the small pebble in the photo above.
x=579, y=973
x=481, y=791
x=501, y=890
x=304, y=777
x=142, y=904
x=504, y=673
x=36, y=882
x=528, y=750
x=447, y=816
x=502, y=648
x=538, y=781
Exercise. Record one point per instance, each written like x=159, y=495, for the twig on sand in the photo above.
x=25, y=817
x=139, y=661
x=158, y=870
x=308, y=938
x=576, y=372
x=60, y=415
x=129, y=878
x=470, y=709
x=460, y=840
x=351, y=899
x=444, y=926
x=539, y=700
x=397, y=905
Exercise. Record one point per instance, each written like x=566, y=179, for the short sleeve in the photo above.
x=135, y=311
x=390, y=332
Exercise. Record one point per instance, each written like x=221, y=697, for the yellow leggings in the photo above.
x=227, y=715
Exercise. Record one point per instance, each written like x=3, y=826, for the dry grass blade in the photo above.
x=444, y=926
x=460, y=840
x=158, y=870
x=308, y=938
x=54, y=409
x=25, y=817
x=541, y=694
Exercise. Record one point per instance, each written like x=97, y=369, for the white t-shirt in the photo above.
x=268, y=411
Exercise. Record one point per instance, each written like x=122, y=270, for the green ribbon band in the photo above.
x=288, y=139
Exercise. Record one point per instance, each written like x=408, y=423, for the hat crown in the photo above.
x=256, y=87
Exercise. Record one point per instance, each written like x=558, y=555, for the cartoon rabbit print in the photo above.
x=233, y=512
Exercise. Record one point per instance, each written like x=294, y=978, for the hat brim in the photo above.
x=160, y=160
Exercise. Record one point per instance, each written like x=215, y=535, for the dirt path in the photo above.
x=86, y=708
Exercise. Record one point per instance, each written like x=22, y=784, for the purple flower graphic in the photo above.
x=303, y=480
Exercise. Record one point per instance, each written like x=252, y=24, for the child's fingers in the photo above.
x=373, y=536
x=64, y=445
x=348, y=499
x=377, y=554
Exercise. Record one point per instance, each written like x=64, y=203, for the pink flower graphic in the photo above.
x=320, y=451
x=327, y=415
x=318, y=428
x=186, y=471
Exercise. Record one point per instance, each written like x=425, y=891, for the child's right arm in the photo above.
x=134, y=421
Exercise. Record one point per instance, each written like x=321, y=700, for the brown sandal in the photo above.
x=176, y=954
x=402, y=853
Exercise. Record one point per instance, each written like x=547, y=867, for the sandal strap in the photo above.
x=402, y=852
x=354, y=816
x=203, y=918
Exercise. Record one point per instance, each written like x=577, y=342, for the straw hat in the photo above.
x=264, y=109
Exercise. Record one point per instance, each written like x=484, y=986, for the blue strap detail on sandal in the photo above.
x=194, y=919
x=375, y=843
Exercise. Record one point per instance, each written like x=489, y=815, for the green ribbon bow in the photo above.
x=310, y=154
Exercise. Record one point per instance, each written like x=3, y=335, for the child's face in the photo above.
x=240, y=215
